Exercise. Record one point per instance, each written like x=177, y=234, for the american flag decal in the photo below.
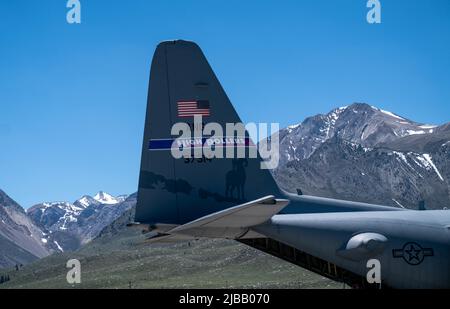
x=192, y=108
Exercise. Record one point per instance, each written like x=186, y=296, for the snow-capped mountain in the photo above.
x=361, y=152
x=74, y=224
x=358, y=123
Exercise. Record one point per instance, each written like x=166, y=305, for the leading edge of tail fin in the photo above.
x=179, y=190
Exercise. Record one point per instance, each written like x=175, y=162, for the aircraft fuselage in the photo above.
x=413, y=247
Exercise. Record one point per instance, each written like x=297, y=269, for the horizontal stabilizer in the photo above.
x=233, y=222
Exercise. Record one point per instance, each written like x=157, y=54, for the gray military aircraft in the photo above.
x=233, y=198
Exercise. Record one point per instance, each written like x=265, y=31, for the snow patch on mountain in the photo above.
x=425, y=161
x=62, y=205
x=330, y=122
x=293, y=127
x=105, y=198
x=391, y=114
x=430, y=162
x=403, y=158
x=58, y=246
x=396, y=202
x=428, y=126
x=85, y=201
x=417, y=132
x=413, y=132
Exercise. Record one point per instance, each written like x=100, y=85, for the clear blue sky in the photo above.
x=73, y=97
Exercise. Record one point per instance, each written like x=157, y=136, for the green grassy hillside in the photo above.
x=124, y=261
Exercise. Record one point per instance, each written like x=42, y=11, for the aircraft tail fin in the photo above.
x=176, y=191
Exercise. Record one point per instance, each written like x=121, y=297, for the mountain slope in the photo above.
x=20, y=240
